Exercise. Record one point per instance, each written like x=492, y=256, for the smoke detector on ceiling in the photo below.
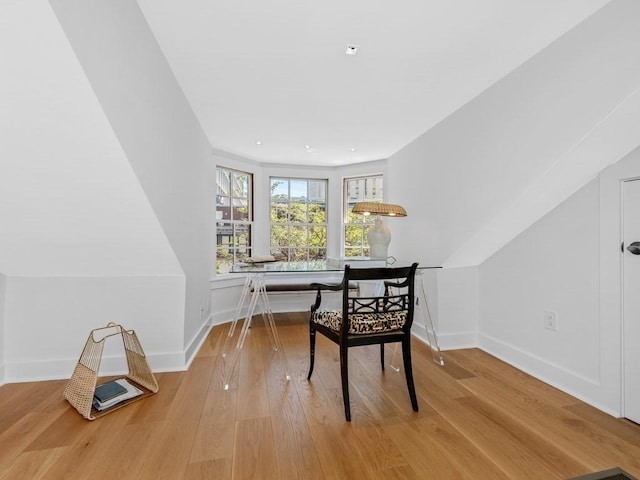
x=352, y=49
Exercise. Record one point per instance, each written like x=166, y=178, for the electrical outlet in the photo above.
x=550, y=320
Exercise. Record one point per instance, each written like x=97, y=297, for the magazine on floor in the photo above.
x=114, y=392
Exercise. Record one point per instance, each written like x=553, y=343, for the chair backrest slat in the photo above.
x=403, y=278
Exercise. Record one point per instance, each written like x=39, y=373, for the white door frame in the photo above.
x=622, y=293
x=609, y=392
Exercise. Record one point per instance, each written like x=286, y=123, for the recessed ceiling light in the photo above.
x=258, y=142
x=351, y=49
x=353, y=149
x=307, y=147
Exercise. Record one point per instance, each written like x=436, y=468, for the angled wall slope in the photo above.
x=81, y=242
x=513, y=153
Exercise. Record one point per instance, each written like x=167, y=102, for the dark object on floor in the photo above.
x=611, y=474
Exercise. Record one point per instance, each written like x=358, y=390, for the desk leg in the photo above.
x=271, y=327
x=246, y=289
x=235, y=354
x=259, y=292
x=432, y=338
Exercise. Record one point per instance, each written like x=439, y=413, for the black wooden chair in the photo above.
x=368, y=320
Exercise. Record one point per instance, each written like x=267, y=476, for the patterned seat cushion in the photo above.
x=361, y=322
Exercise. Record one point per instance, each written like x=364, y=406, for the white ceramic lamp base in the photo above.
x=379, y=238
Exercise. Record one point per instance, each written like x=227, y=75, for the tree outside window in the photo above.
x=234, y=216
x=356, y=226
x=298, y=210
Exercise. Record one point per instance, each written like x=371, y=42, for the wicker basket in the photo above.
x=82, y=384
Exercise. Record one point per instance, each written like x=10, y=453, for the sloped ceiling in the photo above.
x=532, y=139
x=70, y=203
x=276, y=71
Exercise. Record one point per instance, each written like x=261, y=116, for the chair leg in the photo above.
x=408, y=371
x=344, y=372
x=312, y=349
x=382, y=356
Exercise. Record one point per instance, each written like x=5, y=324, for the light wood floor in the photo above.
x=478, y=419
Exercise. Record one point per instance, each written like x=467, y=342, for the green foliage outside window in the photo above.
x=298, y=210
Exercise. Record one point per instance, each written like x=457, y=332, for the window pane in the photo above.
x=353, y=235
x=233, y=207
x=298, y=190
x=224, y=232
x=280, y=253
x=318, y=213
x=317, y=253
x=298, y=212
x=299, y=208
x=223, y=182
x=240, y=185
x=299, y=236
x=298, y=255
x=279, y=236
x=352, y=252
x=279, y=212
x=279, y=189
x=243, y=255
x=318, y=236
x=317, y=191
x=240, y=209
x=243, y=236
x=223, y=208
x=369, y=189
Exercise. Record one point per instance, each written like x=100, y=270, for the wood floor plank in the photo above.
x=479, y=418
x=33, y=465
x=18, y=436
x=254, y=450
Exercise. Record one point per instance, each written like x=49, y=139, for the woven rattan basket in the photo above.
x=82, y=384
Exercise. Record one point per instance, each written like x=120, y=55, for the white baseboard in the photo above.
x=572, y=383
x=63, y=369
x=197, y=341
x=446, y=341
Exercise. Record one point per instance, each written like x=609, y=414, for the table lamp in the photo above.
x=379, y=236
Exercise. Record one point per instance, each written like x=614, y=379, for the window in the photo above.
x=234, y=215
x=356, y=227
x=298, y=209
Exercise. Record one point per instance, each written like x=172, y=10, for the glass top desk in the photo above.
x=255, y=290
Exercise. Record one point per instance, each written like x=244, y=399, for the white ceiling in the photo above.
x=276, y=71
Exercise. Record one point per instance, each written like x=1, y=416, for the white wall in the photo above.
x=568, y=262
x=501, y=155
x=48, y=320
x=158, y=131
x=70, y=202
x=551, y=266
x=3, y=289
x=78, y=235
x=457, y=307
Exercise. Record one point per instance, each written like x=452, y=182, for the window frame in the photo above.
x=293, y=251
x=364, y=222
x=237, y=250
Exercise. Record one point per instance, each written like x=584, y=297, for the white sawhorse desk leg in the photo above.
x=255, y=282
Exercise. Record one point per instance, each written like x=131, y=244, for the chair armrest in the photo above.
x=326, y=286
x=336, y=287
